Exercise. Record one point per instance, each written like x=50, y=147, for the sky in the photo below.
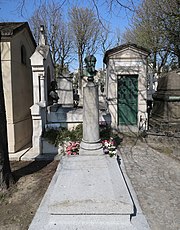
x=118, y=18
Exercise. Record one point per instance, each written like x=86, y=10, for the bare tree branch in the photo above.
x=57, y=32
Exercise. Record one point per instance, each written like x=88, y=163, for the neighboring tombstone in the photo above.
x=43, y=70
x=65, y=90
x=82, y=84
x=99, y=79
x=166, y=106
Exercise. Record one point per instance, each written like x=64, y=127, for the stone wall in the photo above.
x=17, y=84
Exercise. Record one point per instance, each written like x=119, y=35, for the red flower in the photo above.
x=69, y=152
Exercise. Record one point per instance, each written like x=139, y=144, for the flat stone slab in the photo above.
x=88, y=192
x=90, y=185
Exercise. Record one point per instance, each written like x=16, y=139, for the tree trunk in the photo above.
x=178, y=56
x=80, y=70
x=6, y=177
x=80, y=58
x=154, y=63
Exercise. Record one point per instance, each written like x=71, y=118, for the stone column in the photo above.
x=42, y=89
x=37, y=128
x=91, y=139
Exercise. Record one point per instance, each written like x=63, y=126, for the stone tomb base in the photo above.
x=166, y=113
x=86, y=192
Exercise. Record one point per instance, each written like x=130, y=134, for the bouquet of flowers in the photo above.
x=73, y=148
x=109, y=147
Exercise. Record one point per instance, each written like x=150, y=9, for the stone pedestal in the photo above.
x=91, y=139
x=38, y=113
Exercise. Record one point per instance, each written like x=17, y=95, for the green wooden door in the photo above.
x=127, y=99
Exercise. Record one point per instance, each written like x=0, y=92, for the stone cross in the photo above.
x=42, y=40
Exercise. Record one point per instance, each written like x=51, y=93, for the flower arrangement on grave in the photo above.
x=109, y=147
x=73, y=148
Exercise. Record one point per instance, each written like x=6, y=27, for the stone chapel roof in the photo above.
x=124, y=46
x=9, y=29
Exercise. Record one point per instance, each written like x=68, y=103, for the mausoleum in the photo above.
x=17, y=46
x=126, y=86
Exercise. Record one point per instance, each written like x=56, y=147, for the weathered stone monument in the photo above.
x=166, y=108
x=65, y=90
x=88, y=191
x=91, y=140
x=43, y=72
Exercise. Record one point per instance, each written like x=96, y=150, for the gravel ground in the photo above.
x=153, y=167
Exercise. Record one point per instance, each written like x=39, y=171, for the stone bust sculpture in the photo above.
x=90, y=62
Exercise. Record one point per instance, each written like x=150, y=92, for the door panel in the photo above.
x=127, y=99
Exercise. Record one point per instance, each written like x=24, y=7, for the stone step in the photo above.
x=89, y=222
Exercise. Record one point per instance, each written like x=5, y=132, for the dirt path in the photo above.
x=20, y=203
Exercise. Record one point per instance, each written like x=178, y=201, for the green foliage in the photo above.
x=50, y=135
x=117, y=139
x=56, y=137
x=106, y=132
